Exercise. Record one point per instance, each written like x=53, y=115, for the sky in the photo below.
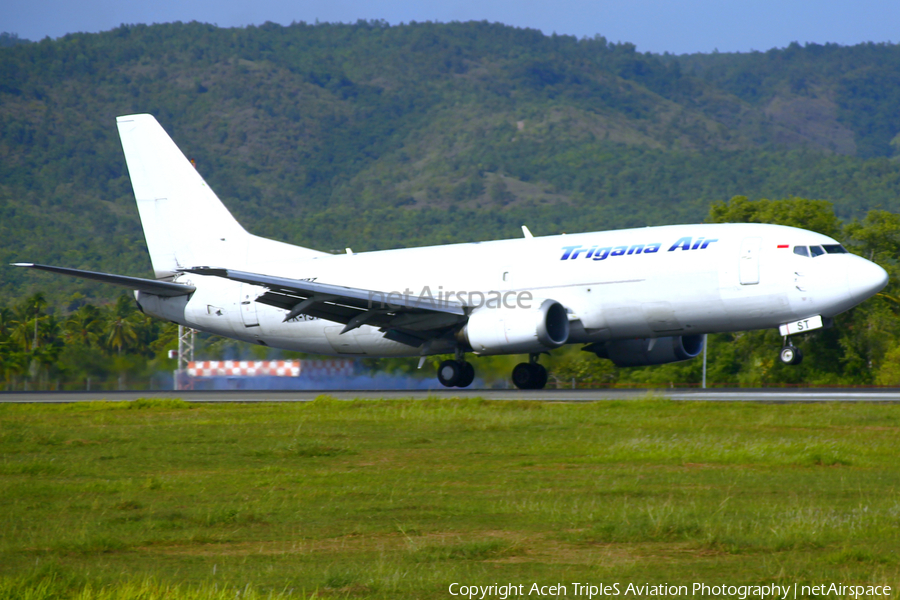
x=676, y=26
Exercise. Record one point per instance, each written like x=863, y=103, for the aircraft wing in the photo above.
x=152, y=286
x=404, y=318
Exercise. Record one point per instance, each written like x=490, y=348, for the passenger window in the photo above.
x=801, y=250
x=816, y=251
x=834, y=249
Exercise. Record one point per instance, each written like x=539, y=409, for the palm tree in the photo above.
x=12, y=363
x=84, y=326
x=21, y=334
x=6, y=322
x=26, y=320
x=120, y=325
x=50, y=342
x=36, y=305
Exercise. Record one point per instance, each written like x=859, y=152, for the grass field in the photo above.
x=399, y=499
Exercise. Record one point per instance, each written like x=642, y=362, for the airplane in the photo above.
x=642, y=296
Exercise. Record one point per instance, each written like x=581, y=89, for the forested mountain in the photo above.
x=322, y=134
x=841, y=98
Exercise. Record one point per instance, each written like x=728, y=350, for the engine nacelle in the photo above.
x=649, y=351
x=517, y=330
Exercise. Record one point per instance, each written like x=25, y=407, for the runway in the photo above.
x=768, y=395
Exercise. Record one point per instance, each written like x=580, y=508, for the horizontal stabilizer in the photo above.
x=151, y=286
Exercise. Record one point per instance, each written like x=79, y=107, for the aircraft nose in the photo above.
x=865, y=280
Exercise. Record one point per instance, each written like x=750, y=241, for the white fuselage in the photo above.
x=636, y=283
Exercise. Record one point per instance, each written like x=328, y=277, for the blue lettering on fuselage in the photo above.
x=595, y=253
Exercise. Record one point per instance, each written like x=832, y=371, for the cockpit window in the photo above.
x=819, y=250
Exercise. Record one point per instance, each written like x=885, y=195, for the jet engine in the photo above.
x=517, y=330
x=648, y=351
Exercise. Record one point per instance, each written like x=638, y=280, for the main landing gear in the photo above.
x=530, y=375
x=790, y=354
x=457, y=372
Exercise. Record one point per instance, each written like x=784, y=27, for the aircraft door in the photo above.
x=749, y=261
x=248, y=306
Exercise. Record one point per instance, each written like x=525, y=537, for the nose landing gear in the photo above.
x=530, y=375
x=790, y=354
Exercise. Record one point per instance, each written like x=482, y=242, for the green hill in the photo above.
x=843, y=98
x=322, y=134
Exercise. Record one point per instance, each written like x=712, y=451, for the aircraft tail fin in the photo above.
x=185, y=224
x=183, y=220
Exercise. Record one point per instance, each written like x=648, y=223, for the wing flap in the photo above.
x=410, y=320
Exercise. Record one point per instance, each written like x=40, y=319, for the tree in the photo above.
x=84, y=326
x=120, y=331
x=877, y=236
x=26, y=321
x=814, y=215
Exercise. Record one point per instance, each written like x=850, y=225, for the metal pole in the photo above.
x=180, y=355
x=186, y=342
x=704, y=360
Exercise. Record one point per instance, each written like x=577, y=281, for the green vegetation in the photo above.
x=113, y=346
x=185, y=500
x=320, y=134
x=841, y=87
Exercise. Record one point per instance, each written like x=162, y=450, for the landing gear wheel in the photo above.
x=791, y=355
x=529, y=376
x=521, y=376
x=449, y=373
x=467, y=376
x=456, y=373
x=541, y=381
